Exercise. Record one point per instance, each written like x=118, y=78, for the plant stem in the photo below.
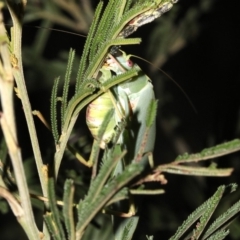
x=19, y=77
x=24, y=213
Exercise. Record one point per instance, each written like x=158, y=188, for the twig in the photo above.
x=19, y=77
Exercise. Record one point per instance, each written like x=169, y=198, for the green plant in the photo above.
x=109, y=29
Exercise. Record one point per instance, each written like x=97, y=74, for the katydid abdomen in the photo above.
x=96, y=112
x=132, y=100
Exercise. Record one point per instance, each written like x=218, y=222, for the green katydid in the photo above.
x=131, y=101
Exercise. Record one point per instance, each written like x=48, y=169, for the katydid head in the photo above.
x=125, y=60
x=120, y=62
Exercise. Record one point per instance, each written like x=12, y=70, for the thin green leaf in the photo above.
x=119, y=79
x=192, y=218
x=88, y=210
x=223, y=220
x=105, y=123
x=152, y=113
x=127, y=6
x=100, y=56
x=66, y=83
x=54, y=121
x=219, y=235
x=110, y=159
x=210, y=208
x=121, y=195
x=83, y=62
x=96, y=145
x=127, y=228
x=68, y=208
x=150, y=119
x=196, y=171
x=146, y=191
x=102, y=29
x=86, y=89
x=55, y=212
x=121, y=8
x=212, y=152
x=52, y=227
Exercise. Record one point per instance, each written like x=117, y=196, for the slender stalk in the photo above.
x=19, y=77
x=24, y=213
x=26, y=219
x=61, y=148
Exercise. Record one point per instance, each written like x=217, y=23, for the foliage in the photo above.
x=87, y=193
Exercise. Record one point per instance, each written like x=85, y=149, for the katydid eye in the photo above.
x=130, y=63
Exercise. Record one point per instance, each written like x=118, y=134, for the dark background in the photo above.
x=207, y=69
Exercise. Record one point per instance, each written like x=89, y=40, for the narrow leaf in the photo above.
x=89, y=210
x=152, y=113
x=54, y=120
x=52, y=227
x=219, y=235
x=100, y=56
x=83, y=63
x=210, y=208
x=100, y=35
x=212, y=152
x=55, y=212
x=68, y=208
x=127, y=228
x=110, y=159
x=223, y=221
x=193, y=217
x=67, y=82
x=196, y=171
